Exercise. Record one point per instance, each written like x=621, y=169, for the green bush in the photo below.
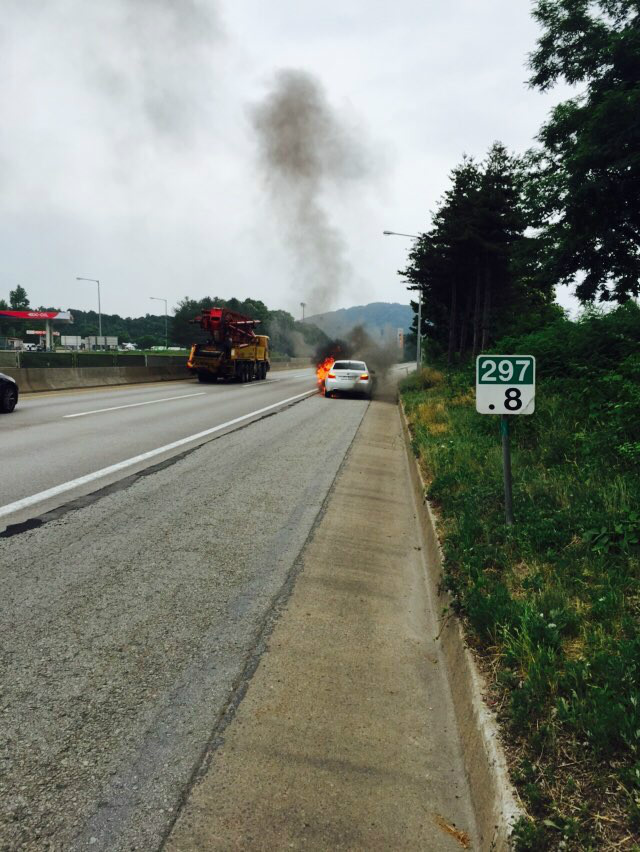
x=555, y=599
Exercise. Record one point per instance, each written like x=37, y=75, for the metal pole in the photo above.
x=419, y=333
x=166, y=321
x=166, y=326
x=95, y=281
x=506, y=465
x=99, y=316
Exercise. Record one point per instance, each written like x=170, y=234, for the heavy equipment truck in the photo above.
x=233, y=351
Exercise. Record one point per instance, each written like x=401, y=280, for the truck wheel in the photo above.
x=203, y=377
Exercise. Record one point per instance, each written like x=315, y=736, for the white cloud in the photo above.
x=127, y=152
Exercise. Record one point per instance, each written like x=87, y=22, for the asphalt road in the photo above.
x=129, y=626
x=54, y=439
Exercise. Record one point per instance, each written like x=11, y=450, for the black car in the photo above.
x=8, y=393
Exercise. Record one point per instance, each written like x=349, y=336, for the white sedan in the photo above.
x=349, y=377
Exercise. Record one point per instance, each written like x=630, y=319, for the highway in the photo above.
x=128, y=625
x=54, y=439
x=134, y=616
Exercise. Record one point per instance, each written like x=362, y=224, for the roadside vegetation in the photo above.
x=552, y=605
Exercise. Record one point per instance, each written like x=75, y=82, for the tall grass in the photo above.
x=556, y=599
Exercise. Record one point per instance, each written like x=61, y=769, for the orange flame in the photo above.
x=323, y=369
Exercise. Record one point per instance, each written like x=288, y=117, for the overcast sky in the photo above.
x=129, y=148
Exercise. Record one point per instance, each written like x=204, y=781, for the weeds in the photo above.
x=558, y=596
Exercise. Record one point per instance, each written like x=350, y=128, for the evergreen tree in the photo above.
x=18, y=299
x=441, y=262
x=500, y=227
x=476, y=269
x=587, y=178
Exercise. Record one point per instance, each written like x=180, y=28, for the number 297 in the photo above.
x=507, y=370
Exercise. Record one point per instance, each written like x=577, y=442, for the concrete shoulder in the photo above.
x=346, y=737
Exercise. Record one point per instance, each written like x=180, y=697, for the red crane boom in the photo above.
x=222, y=324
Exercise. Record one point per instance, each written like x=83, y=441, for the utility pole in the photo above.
x=303, y=305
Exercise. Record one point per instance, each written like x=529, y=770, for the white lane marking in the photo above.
x=115, y=468
x=132, y=405
x=254, y=386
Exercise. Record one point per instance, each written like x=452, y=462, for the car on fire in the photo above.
x=349, y=377
x=8, y=394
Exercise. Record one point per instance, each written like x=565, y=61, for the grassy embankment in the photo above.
x=552, y=605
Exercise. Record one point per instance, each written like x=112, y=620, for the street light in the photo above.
x=95, y=281
x=303, y=305
x=400, y=234
x=166, y=333
x=419, y=330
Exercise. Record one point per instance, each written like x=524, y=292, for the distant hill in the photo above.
x=379, y=319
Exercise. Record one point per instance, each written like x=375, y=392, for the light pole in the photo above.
x=166, y=333
x=303, y=305
x=95, y=281
x=419, y=329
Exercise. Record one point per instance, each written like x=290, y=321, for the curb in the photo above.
x=493, y=796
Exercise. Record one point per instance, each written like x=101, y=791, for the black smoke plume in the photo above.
x=359, y=345
x=305, y=149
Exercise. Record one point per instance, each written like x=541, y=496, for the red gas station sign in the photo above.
x=59, y=316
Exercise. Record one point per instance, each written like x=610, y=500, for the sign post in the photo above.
x=506, y=384
x=506, y=467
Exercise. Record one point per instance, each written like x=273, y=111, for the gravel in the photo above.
x=126, y=626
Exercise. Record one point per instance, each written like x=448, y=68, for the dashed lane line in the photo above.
x=132, y=405
x=41, y=496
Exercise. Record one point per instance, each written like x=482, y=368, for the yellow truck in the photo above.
x=233, y=351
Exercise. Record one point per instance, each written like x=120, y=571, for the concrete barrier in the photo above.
x=494, y=799
x=32, y=379
x=291, y=364
x=8, y=359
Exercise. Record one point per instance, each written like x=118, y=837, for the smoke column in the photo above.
x=162, y=69
x=306, y=149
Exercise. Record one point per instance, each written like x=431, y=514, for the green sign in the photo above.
x=505, y=370
x=505, y=384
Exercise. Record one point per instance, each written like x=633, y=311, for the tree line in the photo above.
x=510, y=228
x=289, y=337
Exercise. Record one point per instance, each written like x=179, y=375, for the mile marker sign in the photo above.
x=505, y=384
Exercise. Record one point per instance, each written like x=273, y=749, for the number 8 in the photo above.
x=512, y=399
